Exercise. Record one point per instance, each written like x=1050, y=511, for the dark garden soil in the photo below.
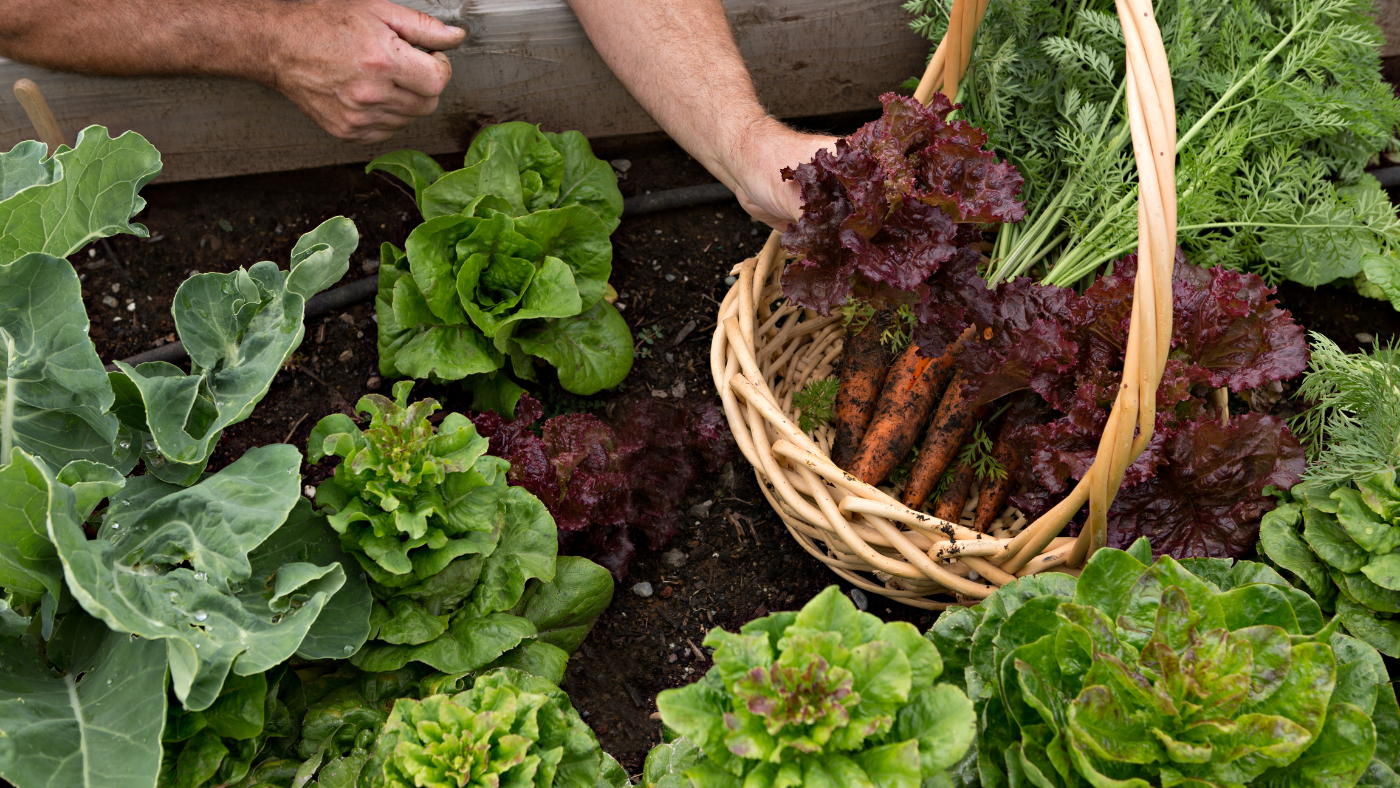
x=732, y=561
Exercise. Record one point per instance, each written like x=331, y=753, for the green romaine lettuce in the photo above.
x=514, y=244
x=824, y=696
x=1201, y=673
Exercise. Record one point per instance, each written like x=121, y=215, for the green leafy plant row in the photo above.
x=185, y=628
x=508, y=268
x=204, y=579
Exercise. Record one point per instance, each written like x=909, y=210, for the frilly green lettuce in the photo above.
x=824, y=696
x=510, y=729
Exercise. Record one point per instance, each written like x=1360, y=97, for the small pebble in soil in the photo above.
x=666, y=592
x=309, y=491
x=621, y=165
x=730, y=280
x=858, y=596
x=672, y=658
x=109, y=301
x=678, y=388
x=131, y=306
x=348, y=318
x=372, y=383
x=643, y=590
x=701, y=509
x=1365, y=338
x=670, y=277
x=370, y=265
x=347, y=355
x=674, y=559
x=116, y=287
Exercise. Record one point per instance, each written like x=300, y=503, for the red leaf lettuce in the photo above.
x=898, y=199
x=600, y=479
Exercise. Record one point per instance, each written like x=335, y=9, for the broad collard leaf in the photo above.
x=238, y=328
x=57, y=397
x=343, y=625
x=30, y=496
x=26, y=164
x=97, y=723
x=177, y=564
x=90, y=193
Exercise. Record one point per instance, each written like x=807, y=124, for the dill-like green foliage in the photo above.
x=1279, y=104
x=856, y=314
x=816, y=403
x=898, y=336
x=978, y=454
x=901, y=472
x=1353, y=428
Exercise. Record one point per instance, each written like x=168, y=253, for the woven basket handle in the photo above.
x=1152, y=119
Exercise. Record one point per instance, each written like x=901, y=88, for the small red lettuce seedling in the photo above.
x=598, y=478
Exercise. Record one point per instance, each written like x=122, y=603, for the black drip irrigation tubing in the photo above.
x=364, y=289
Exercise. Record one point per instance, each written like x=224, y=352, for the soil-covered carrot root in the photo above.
x=911, y=390
x=951, y=426
x=864, y=364
x=950, y=504
x=995, y=492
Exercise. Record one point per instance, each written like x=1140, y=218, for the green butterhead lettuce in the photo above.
x=1201, y=673
x=464, y=568
x=514, y=244
x=824, y=696
x=509, y=729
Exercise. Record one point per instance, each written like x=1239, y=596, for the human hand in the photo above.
x=351, y=65
x=758, y=182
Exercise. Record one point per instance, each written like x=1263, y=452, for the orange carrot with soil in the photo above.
x=864, y=364
x=911, y=391
x=951, y=426
x=950, y=504
x=995, y=492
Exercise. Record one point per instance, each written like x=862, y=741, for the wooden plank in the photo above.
x=523, y=60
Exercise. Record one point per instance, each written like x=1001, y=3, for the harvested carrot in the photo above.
x=954, y=498
x=912, y=388
x=864, y=364
x=951, y=425
x=995, y=492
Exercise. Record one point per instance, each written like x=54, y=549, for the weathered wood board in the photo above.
x=523, y=60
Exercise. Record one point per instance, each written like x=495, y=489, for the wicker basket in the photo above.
x=765, y=349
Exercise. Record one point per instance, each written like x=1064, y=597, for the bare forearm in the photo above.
x=145, y=37
x=679, y=60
